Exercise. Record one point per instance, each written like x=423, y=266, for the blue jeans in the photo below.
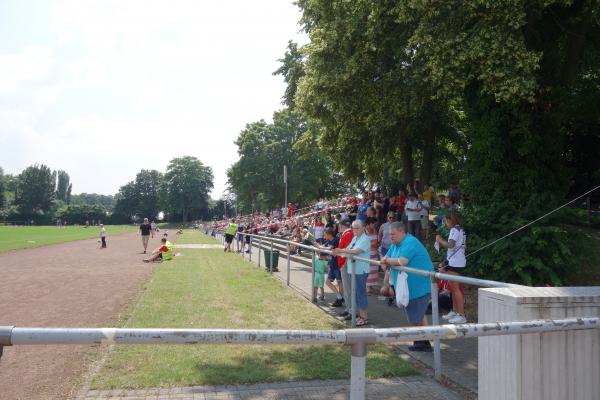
x=361, y=291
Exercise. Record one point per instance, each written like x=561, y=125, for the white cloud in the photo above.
x=125, y=85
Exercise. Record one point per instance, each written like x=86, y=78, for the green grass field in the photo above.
x=12, y=237
x=211, y=289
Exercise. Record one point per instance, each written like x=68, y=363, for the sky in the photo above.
x=103, y=89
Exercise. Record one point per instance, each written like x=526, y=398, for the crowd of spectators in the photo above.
x=329, y=224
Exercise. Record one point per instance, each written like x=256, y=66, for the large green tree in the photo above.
x=63, y=187
x=363, y=94
x=35, y=191
x=186, y=187
x=528, y=75
x=140, y=198
x=264, y=149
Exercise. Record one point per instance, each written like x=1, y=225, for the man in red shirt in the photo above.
x=345, y=240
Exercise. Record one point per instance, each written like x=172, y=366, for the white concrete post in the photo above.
x=539, y=366
x=358, y=364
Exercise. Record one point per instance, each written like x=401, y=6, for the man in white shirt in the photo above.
x=413, y=210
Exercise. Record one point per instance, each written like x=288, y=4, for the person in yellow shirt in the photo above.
x=230, y=234
x=163, y=253
x=429, y=194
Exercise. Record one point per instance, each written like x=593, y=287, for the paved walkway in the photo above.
x=459, y=356
x=412, y=387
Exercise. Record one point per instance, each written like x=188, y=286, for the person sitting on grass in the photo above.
x=164, y=252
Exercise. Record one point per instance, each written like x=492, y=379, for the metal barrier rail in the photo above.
x=433, y=276
x=358, y=339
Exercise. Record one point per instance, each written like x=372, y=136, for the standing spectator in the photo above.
x=153, y=226
x=145, y=230
x=103, y=236
x=334, y=274
x=413, y=215
x=319, y=228
x=361, y=214
x=345, y=240
x=429, y=194
x=361, y=247
x=455, y=264
x=407, y=251
x=371, y=232
x=454, y=193
x=400, y=204
x=425, y=206
x=319, y=264
x=230, y=234
x=385, y=241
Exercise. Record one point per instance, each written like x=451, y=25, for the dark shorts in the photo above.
x=247, y=239
x=416, y=308
x=458, y=270
x=334, y=274
x=240, y=236
x=228, y=238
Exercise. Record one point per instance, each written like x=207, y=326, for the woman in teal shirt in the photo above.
x=361, y=247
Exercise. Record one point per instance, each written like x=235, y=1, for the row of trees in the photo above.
x=501, y=96
x=43, y=196
x=37, y=194
x=182, y=193
x=264, y=149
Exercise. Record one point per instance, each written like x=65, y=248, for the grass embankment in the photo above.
x=211, y=289
x=14, y=237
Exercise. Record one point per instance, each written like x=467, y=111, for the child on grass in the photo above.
x=320, y=267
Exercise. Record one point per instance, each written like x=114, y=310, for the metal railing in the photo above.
x=358, y=339
x=433, y=276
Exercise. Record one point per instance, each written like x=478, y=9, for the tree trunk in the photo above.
x=184, y=215
x=406, y=153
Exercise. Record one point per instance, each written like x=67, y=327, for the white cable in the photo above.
x=532, y=222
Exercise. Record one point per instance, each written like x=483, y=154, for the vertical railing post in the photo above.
x=259, y=248
x=353, y=290
x=315, y=291
x=271, y=257
x=250, y=248
x=358, y=364
x=435, y=320
x=288, y=263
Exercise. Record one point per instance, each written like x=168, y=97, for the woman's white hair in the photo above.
x=358, y=224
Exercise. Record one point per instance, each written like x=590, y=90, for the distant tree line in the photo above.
x=40, y=195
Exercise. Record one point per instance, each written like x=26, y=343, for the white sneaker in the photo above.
x=450, y=315
x=458, y=319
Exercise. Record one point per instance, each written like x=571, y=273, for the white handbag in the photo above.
x=401, y=288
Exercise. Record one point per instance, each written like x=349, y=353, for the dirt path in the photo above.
x=72, y=284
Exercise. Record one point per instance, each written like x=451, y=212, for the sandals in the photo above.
x=361, y=322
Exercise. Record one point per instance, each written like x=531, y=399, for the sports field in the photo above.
x=206, y=288
x=24, y=237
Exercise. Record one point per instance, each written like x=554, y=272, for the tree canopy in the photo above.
x=186, y=187
x=264, y=149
